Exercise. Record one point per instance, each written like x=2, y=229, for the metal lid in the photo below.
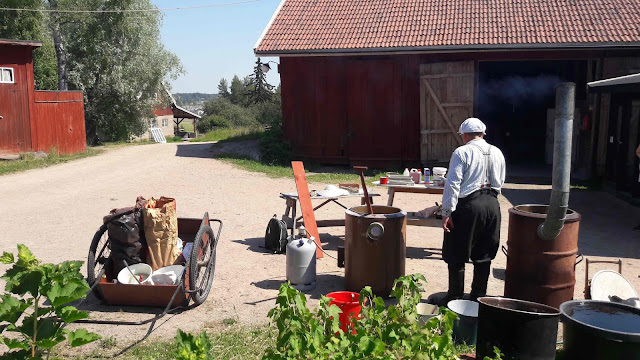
x=608, y=283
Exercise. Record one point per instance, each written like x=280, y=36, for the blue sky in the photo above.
x=217, y=42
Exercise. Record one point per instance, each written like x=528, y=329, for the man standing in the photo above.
x=470, y=210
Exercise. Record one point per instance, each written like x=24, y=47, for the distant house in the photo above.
x=35, y=120
x=387, y=83
x=169, y=118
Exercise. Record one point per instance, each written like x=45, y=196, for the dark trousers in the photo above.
x=475, y=235
x=476, y=229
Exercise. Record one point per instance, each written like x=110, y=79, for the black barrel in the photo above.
x=520, y=329
x=600, y=330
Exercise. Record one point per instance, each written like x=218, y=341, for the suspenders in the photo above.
x=486, y=183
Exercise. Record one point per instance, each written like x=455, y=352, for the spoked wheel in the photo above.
x=202, y=264
x=99, y=252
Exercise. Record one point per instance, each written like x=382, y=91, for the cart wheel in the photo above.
x=202, y=265
x=99, y=252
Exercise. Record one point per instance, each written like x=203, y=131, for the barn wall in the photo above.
x=58, y=122
x=15, y=131
x=366, y=109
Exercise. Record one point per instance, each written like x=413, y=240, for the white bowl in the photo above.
x=139, y=270
x=168, y=275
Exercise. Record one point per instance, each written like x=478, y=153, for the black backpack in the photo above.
x=275, y=238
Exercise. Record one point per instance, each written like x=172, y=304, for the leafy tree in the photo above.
x=234, y=114
x=223, y=88
x=119, y=63
x=261, y=90
x=28, y=25
x=238, y=91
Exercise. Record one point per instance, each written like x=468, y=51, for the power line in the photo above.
x=133, y=10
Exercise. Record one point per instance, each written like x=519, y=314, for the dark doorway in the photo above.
x=514, y=98
x=622, y=141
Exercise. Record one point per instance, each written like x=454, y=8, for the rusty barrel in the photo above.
x=375, y=248
x=539, y=270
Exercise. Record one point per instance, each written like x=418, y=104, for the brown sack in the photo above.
x=161, y=232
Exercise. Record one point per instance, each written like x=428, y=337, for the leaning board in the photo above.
x=305, y=204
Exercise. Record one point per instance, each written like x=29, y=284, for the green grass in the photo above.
x=234, y=342
x=186, y=125
x=277, y=171
x=28, y=161
x=231, y=134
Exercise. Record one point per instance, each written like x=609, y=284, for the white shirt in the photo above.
x=468, y=172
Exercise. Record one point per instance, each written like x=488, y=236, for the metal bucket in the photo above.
x=539, y=270
x=520, y=329
x=375, y=248
x=600, y=330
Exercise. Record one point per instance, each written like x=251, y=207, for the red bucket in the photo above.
x=349, y=303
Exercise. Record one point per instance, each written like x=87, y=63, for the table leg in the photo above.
x=391, y=193
x=293, y=218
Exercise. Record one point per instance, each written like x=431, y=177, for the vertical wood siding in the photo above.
x=58, y=122
x=15, y=131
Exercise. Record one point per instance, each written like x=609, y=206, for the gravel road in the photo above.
x=55, y=212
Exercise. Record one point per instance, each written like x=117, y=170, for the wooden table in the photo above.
x=292, y=199
x=415, y=189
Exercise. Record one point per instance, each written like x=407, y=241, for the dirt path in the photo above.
x=55, y=211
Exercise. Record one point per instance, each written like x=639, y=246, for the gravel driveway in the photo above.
x=55, y=212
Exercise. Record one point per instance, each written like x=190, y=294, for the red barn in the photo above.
x=386, y=83
x=35, y=120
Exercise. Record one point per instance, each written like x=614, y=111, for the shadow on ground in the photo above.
x=194, y=150
x=326, y=283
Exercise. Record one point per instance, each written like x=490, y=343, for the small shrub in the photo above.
x=235, y=115
x=191, y=347
x=381, y=332
x=35, y=307
x=212, y=122
x=274, y=149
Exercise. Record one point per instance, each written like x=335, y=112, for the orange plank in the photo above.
x=305, y=204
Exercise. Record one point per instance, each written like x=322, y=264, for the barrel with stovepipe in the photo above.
x=543, y=239
x=375, y=246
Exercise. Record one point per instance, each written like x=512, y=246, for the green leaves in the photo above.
x=56, y=285
x=81, y=337
x=60, y=295
x=6, y=258
x=193, y=347
x=381, y=333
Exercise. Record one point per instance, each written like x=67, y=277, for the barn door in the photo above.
x=15, y=130
x=446, y=100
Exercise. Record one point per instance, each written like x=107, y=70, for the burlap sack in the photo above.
x=161, y=232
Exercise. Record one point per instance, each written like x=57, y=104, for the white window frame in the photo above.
x=13, y=75
x=165, y=122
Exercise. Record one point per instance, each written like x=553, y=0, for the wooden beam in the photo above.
x=458, y=104
x=443, y=76
x=443, y=112
x=436, y=131
x=305, y=204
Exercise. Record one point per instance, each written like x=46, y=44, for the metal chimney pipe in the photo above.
x=559, y=201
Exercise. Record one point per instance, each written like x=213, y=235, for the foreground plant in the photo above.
x=34, y=306
x=381, y=332
x=191, y=347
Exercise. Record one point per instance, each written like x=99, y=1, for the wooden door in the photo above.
x=446, y=100
x=15, y=131
x=373, y=130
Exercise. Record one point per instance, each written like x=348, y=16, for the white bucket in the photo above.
x=439, y=171
x=126, y=275
x=426, y=312
x=168, y=275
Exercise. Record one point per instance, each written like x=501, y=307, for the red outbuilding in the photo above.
x=33, y=120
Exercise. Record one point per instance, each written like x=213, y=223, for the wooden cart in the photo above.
x=195, y=283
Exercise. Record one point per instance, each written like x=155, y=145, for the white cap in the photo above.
x=472, y=125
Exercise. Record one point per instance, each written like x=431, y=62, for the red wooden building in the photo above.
x=33, y=120
x=389, y=82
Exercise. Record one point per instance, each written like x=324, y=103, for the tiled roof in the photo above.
x=307, y=26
